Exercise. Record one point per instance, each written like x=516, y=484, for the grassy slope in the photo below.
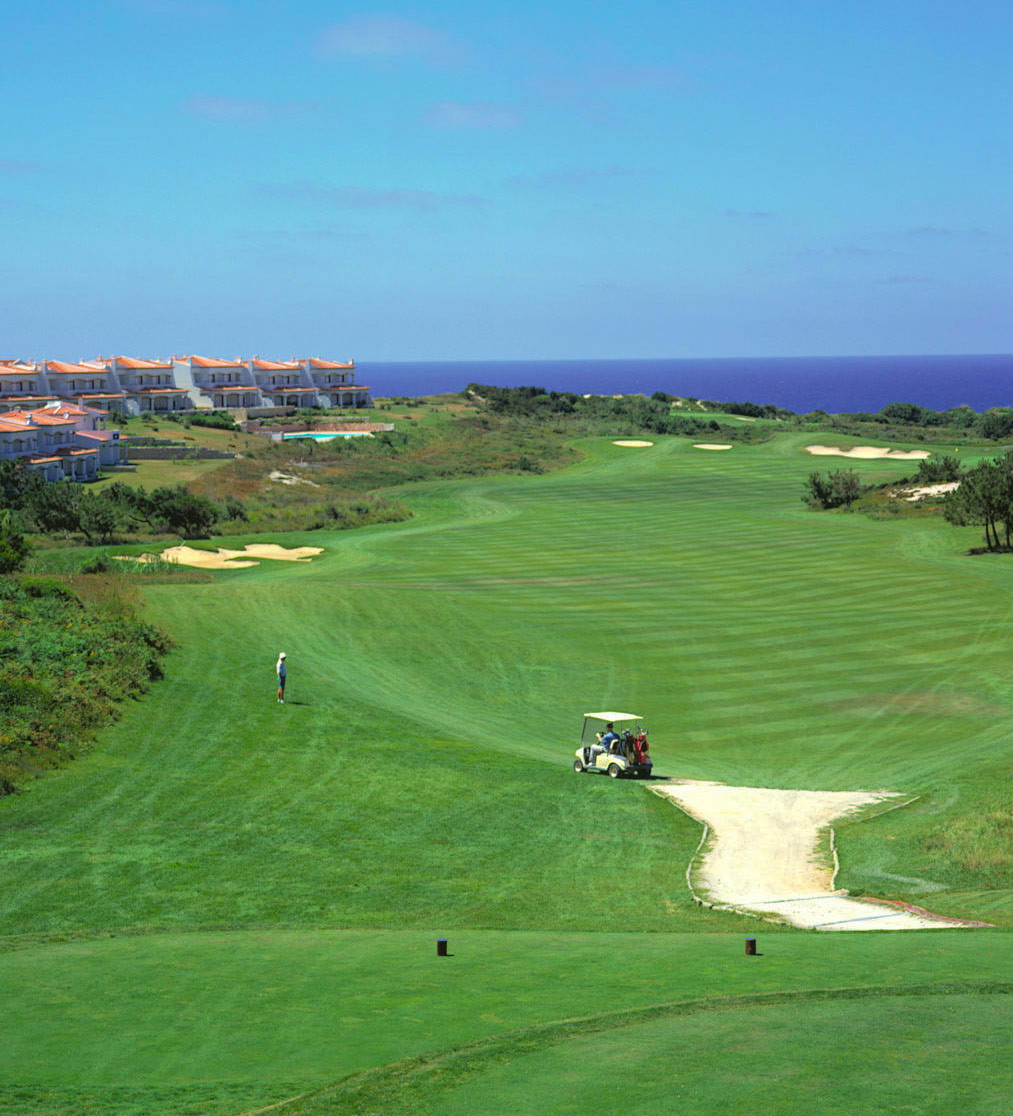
x=419, y=776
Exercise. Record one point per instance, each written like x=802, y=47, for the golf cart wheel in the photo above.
x=578, y=766
x=614, y=771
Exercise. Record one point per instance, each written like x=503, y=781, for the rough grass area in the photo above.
x=66, y=667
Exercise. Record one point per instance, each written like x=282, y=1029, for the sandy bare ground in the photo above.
x=289, y=478
x=223, y=559
x=868, y=451
x=928, y=490
x=762, y=854
x=710, y=446
x=631, y=442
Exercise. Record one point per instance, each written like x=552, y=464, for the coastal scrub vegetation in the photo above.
x=65, y=667
x=838, y=488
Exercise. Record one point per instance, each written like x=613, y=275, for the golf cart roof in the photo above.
x=613, y=716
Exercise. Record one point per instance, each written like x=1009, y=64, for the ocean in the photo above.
x=799, y=384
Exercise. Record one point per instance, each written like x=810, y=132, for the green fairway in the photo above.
x=275, y=876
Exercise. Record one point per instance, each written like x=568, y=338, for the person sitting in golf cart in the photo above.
x=602, y=742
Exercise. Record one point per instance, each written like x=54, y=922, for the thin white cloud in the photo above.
x=386, y=37
x=243, y=110
x=477, y=115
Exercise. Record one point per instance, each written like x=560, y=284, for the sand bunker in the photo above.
x=630, y=442
x=868, y=451
x=223, y=559
x=710, y=446
x=762, y=855
x=928, y=490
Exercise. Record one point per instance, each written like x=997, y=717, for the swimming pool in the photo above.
x=328, y=435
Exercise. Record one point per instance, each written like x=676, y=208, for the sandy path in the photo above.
x=762, y=855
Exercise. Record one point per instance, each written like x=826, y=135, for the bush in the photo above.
x=64, y=667
x=840, y=488
x=938, y=470
x=39, y=587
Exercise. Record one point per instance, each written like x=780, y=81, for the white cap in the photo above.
x=282, y=655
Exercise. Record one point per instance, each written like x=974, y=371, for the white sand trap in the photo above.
x=223, y=559
x=279, y=553
x=631, y=442
x=868, y=452
x=711, y=446
x=929, y=490
x=763, y=856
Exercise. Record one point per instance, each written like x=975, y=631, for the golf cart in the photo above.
x=614, y=744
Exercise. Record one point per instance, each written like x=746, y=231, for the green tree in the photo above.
x=996, y=425
x=183, y=513
x=839, y=488
x=56, y=507
x=17, y=483
x=938, y=470
x=985, y=499
x=14, y=549
x=97, y=516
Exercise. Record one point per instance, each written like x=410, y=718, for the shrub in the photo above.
x=39, y=587
x=841, y=487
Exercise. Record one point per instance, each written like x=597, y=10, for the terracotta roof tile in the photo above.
x=317, y=362
x=133, y=362
x=213, y=362
x=63, y=366
x=276, y=365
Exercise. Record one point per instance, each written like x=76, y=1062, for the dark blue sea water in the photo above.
x=800, y=384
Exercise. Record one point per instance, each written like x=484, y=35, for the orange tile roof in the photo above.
x=72, y=409
x=16, y=369
x=276, y=365
x=213, y=362
x=280, y=389
x=317, y=362
x=345, y=387
x=133, y=362
x=37, y=418
x=63, y=366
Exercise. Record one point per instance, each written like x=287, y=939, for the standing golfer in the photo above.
x=282, y=673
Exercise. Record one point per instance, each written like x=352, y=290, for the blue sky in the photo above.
x=534, y=180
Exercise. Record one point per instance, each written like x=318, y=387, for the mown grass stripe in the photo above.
x=380, y=1089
